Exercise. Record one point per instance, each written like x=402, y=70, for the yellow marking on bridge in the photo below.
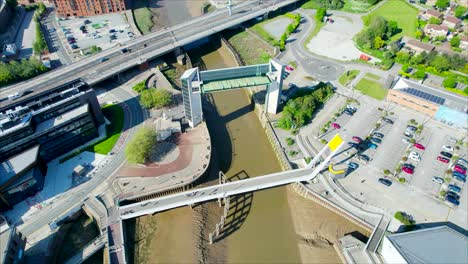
x=335, y=142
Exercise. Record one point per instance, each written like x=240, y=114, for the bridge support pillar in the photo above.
x=221, y=180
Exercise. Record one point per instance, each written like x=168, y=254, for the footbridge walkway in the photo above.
x=88, y=250
x=231, y=188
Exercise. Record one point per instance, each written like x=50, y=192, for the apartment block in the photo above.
x=74, y=8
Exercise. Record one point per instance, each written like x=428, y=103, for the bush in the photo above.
x=447, y=179
x=292, y=153
x=404, y=159
x=14, y=71
x=307, y=160
x=386, y=171
x=412, y=141
x=419, y=74
x=323, y=141
x=449, y=82
x=139, y=148
x=139, y=87
x=404, y=218
x=442, y=193
x=321, y=13
x=402, y=180
x=155, y=98
x=290, y=141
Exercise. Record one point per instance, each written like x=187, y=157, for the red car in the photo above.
x=442, y=159
x=289, y=68
x=419, y=146
x=335, y=125
x=407, y=170
x=357, y=139
x=460, y=169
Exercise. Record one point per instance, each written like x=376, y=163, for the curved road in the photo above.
x=133, y=117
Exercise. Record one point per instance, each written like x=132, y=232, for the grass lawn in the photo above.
x=115, y=114
x=372, y=76
x=143, y=16
x=354, y=6
x=248, y=48
x=371, y=88
x=403, y=13
x=348, y=76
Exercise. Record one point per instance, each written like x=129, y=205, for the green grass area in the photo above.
x=460, y=92
x=371, y=88
x=248, y=48
x=143, y=16
x=115, y=115
x=260, y=30
x=354, y=6
x=372, y=76
x=400, y=11
x=348, y=76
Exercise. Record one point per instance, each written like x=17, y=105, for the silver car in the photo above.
x=439, y=180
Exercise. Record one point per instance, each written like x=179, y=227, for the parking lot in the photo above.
x=104, y=31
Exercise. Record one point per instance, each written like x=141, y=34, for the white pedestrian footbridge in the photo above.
x=231, y=188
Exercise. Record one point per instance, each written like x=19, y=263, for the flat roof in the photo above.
x=58, y=120
x=235, y=83
x=4, y=242
x=432, y=95
x=17, y=164
x=432, y=245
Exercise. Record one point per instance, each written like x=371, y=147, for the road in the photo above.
x=133, y=117
x=222, y=190
x=93, y=69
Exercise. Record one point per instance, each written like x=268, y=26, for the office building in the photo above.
x=36, y=128
x=74, y=8
x=12, y=244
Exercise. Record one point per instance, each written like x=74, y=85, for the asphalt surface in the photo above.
x=53, y=41
x=133, y=117
x=93, y=70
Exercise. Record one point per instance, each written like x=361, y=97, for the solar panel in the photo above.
x=426, y=96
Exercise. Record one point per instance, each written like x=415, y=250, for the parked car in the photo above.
x=452, y=200
x=376, y=140
x=352, y=144
x=442, y=159
x=104, y=59
x=87, y=21
x=130, y=34
x=388, y=120
x=357, y=139
x=74, y=46
x=439, y=180
x=335, y=125
x=385, y=182
x=348, y=112
x=460, y=169
x=407, y=170
x=452, y=139
x=459, y=176
x=112, y=31
x=456, y=196
x=353, y=165
x=419, y=146
x=414, y=156
x=408, y=134
x=379, y=135
x=411, y=129
x=454, y=188
x=124, y=50
x=447, y=148
x=82, y=27
x=289, y=68
x=446, y=154
x=405, y=140
x=371, y=145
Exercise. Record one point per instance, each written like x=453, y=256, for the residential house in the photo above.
x=432, y=13
x=464, y=42
x=452, y=22
x=436, y=30
x=418, y=46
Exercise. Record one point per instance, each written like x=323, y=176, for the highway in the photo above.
x=133, y=117
x=94, y=70
x=222, y=190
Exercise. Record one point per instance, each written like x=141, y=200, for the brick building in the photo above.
x=68, y=8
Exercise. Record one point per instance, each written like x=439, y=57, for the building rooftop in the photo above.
x=432, y=245
x=452, y=19
x=432, y=95
x=421, y=45
x=436, y=27
x=58, y=120
x=17, y=164
x=434, y=13
x=5, y=235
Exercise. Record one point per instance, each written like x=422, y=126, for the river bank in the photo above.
x=169, y=12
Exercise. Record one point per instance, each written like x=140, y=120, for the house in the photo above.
x=431, y=13
x=431, y=2
x=436, y=30
x=464, y=42
x=452, y=22
x=418, y=46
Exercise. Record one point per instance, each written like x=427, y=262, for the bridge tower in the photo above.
x=193, y=82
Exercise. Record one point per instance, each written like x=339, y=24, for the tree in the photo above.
x=455, y=41
x=418, y=34
x=449, y=82
x=440, y=63
x=321, y=13
x=442, y=3
x=139, y=148
x=392, y=28
x=12, y=3
x=378, y=42
x=419, y=74
x=139, y=87
x=460, y=11
x=156, y=98
x=95, y=49
x=146, y=98
x=434, y=20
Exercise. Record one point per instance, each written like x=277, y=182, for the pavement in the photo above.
x=277, y=27
x=58, y=52
x=26, y=35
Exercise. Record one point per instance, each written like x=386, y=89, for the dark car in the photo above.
x=348, y=112
x=407, y=165
x=388, y=120
x=73, y=46
x=363, y=157
x=104, y=59
x=454, y=188
x=385, y=182
x=353, y=165
x=452, y=200
x=87, y=21
x=379, y=135
x=124, y=50
x=112, y=31
x=71, y=41
x=459, y=176
x=82, y=27
x=455, y=195
x=376, y=140
x=446, y=154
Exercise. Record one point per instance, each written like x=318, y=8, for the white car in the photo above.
x=439, y=180
x=452, y=139
x=414, y=156
x=411, y=129
x=447, y=148
x=405, y=140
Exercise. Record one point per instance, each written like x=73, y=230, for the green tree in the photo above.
x=139, y=87
x=419, y=74
x=442, y=3
x=12, y=3
x=449, y=82
x=162, y=98
x=460, y=11
x=321, y=13
x=95, y=49
x=434, y=20
x=138, y=150
x=418, y=34
x=378, y=42
x=440, y=63
x=5, y=75
x=455, y=41
x=146, y=98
